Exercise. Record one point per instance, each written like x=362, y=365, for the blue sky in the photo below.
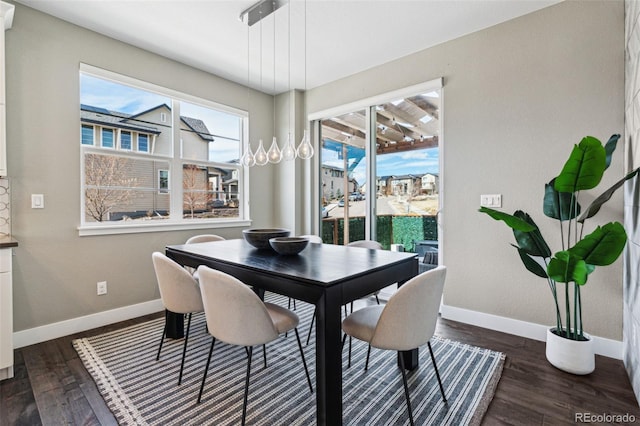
x=118, y=97
x=419, y=161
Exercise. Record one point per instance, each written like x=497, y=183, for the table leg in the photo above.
x=410, y=359
x=329, y=359
x=175, y=324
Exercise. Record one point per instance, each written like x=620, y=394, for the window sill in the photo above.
x=136, y=228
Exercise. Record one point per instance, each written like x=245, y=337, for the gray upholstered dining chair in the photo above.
x=370, y=244
x=312, y=238
x=201, y=238
x=407, y=321
x=236, y=315
x=179, y=293
x=204, y=238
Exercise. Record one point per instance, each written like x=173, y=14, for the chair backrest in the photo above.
x=178, y=289
x=409, y=318
x=204, y=238
x=234, y=313
x=370, y=244
x=313, y=238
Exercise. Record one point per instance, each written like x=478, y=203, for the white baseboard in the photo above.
x=64, y=328
x=602, y=346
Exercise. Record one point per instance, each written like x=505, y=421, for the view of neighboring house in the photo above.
x=118, y=186
x=407, y=184
x=430, y=183
x=333, y=182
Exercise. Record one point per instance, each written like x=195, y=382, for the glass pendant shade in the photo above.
x=274, y=155
x=305, y=150
x=261, y=155
x=289, y=151
x=247, y=158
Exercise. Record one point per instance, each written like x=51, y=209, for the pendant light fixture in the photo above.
x=274, y=155
x=247, y=159
x=305, y=149
x=261, y=154
x=289, y=150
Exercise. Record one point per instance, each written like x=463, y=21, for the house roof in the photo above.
x=103, y=116
x=95, y=115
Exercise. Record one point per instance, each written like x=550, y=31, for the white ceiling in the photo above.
x=343, y=37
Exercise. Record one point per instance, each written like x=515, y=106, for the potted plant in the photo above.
x=569, y=348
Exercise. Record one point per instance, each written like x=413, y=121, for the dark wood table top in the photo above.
x=318, y=264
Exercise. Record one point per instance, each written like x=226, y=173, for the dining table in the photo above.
x=325, y=275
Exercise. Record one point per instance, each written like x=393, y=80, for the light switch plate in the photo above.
x=37, y=201
x=491, y=200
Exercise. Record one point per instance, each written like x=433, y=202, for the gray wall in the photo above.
x=55, y=270
x=517, y=96
x=631, y=329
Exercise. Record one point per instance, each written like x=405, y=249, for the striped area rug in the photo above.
x=142, y=391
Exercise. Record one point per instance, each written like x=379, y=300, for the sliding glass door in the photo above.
x=380, y=173
x=343, y=174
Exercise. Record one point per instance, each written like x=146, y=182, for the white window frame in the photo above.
x=367, y=104
x=176, y=220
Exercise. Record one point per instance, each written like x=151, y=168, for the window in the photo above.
x=125, y=141
x=163, y=181
x=107, y=138
x=151, y=179
x=143, y=143
x=87, y=135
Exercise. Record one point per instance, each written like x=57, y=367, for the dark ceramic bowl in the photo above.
x=288, y=245
x=259, y=238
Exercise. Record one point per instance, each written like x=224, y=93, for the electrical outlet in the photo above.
x=491, y=200
x=102, y=288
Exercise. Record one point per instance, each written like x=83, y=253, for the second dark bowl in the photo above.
x=289, y=245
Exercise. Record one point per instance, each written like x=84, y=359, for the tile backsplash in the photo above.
x=5, y=208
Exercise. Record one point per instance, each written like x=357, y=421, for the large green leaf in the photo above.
x=602, y=246
x=531, y=264
x=532, y=241
x=566, y=267
x=512, y=221
x=609, y=147
x=594, y=207
x=584, y=168
x=559, y=205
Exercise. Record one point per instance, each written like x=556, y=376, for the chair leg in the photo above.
x=435, y=367
x=184, y=349
x=344, y=339
x=313, y=319
x=206, y=368
x=377, y=300
x=366, y=365
x=246, y=386
x=304, y=362
x=349, y=363
x=264, y=355
x=164, y=333
x=406, y=387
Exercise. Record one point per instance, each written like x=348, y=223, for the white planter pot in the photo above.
x=572, y=356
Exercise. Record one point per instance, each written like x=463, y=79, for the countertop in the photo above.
x=7, y=242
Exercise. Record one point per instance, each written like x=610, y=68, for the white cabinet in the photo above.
x=6, y=315
x=6, y=16
x=6, y=284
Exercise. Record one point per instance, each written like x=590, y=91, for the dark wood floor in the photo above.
x=51, y=386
